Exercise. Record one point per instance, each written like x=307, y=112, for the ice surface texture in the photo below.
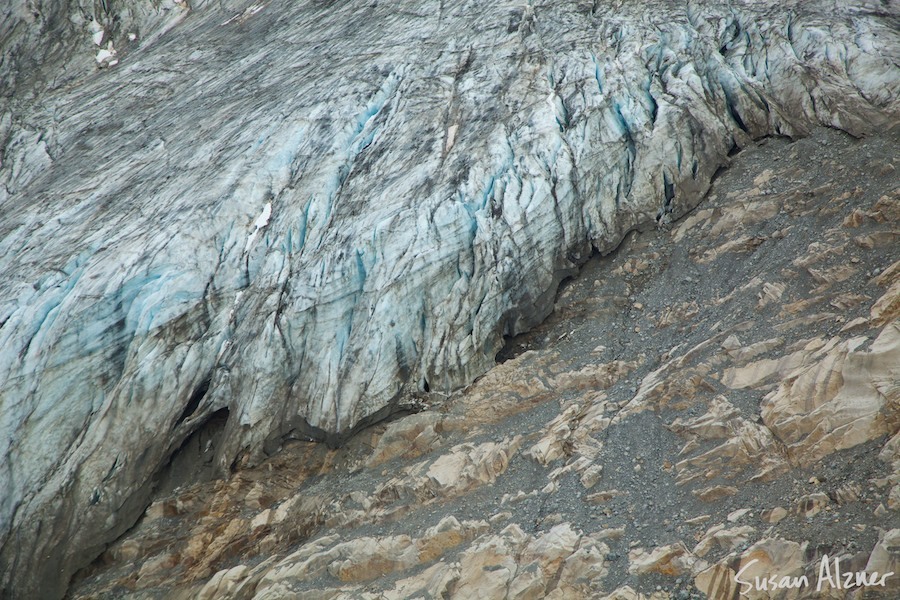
x=303, y=212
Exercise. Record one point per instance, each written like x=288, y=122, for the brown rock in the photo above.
x=697, y=520
x=743, y=214
x=716, y=492
x=158, y=566
x=467, y=466
x=718, y=583
x=677, y=314
x=763, y=371
x=802, y=305
x=817, y=252
x=591, y=476
x=223, y=583
x=550, y=549
x=207, y=550
x=126, y=551
x=593, y=377
x=744, y=243
x=844, y=399
x=747, y=353
x=764, y=558
x=508, y=389
x=885, y=558
x=848, y=301
x=737, y=515
x=887, y=308
x=263, y=519
x=747, y=445
x=698, y=217
x=672, y=560
x=582, y=570
x=887, y=208
x=448, y=533
x=879, y=239
x=888, y=276
x=811, y=504
x=712, y=425
x=723, y=539
x=408, y=437
x=434, y=582
x=847, y=493
x=828, y=277
x=601, y=497
x=770, y=293
x=891, y=455
x=365, y=558
x=856, y=324
x=854, y=219
x=438, y=539
x=773, y=515
x=488, y=566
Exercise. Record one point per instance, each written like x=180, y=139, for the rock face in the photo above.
x=258, y=222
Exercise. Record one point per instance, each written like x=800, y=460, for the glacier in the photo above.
x=290, y=219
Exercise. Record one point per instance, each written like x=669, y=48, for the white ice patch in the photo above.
x=249, y=12
x=261, y=221
x=107, y=54
x=237, y=299
x=97, y=32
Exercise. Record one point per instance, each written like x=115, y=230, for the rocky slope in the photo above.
x=261, y=222
x=716, y=393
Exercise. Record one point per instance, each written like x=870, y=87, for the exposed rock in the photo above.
x=594, y=377
x=887, y=307
x=746, y=445
x=845, y=398
x=365, y=558
x=765, y=558
x=811, y=505
x=223, y=583
x=773, y=515
x=771, y=292
x=467, y=466
x=718, y=537
x=436, y=582
x=672, y=560
x=737, y=515
x=891, y=455
x=715, y=492
x=445, y=535
x=763, y=371
x=847, y=493
x=885, y=558
x=677, y=314
x=410, y=437
x=717, y=582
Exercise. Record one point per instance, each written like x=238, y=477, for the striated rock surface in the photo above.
x=230, y=225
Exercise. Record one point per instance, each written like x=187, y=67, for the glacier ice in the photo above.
x=303, y=213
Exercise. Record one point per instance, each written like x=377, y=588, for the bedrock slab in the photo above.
x=234, y=224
